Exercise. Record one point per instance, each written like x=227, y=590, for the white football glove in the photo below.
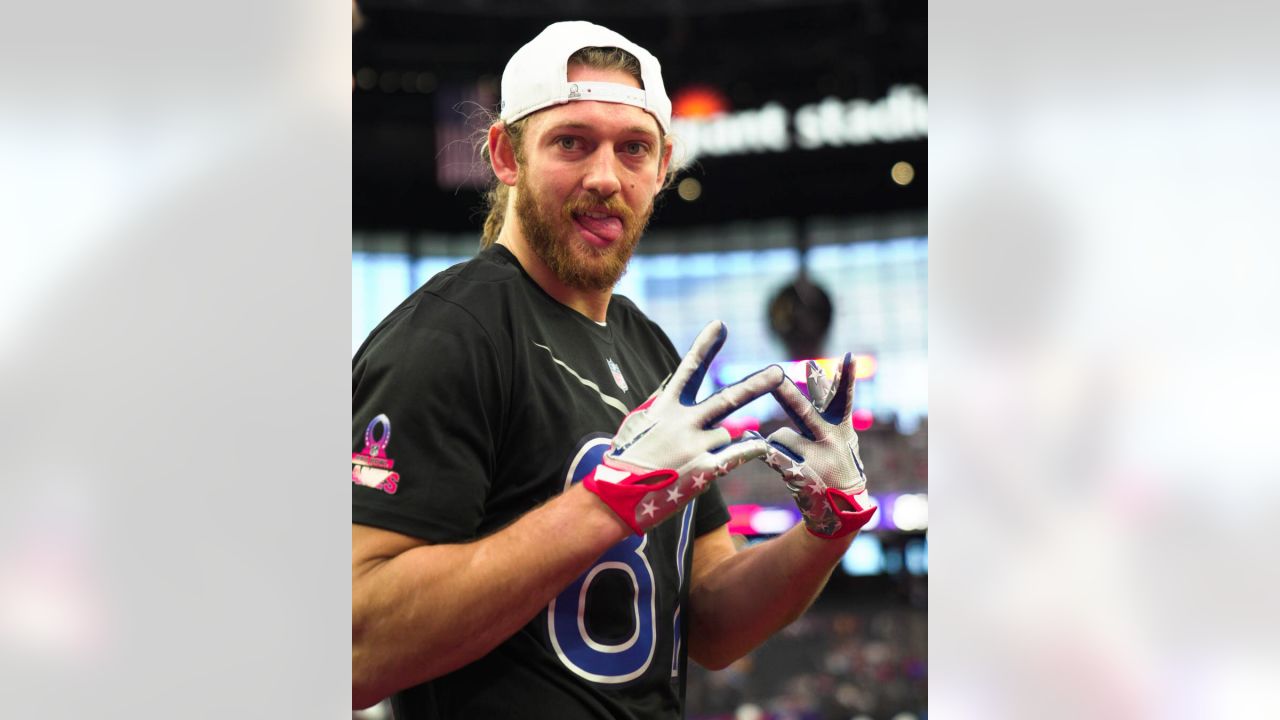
x=668, y=450
x=820, y=464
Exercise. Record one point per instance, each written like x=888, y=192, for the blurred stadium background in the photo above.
x=803, y=128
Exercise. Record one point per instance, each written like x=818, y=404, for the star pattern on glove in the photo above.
x=818, y=459
x=773, y=459
x=649, y=508
x=700, y=480
x=827, y=526
x=795, y=472
x=673, y=495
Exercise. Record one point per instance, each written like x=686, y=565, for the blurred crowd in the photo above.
x=831, y=664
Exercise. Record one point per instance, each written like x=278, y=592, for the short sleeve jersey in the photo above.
x=481, y=397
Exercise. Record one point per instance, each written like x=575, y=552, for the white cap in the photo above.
x=536, y=77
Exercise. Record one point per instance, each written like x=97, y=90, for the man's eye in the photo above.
x=568, y=143
x=637, y=148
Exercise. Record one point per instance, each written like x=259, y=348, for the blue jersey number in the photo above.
x=588, y=657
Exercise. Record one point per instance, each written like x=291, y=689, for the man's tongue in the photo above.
x=606, y=228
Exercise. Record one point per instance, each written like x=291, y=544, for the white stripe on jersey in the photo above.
x=612, y=402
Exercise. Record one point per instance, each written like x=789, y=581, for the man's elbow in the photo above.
x=714, y=665
x=364, y=694
x=362, y=702
x=713, y=659
x=714, y=649
x=369, y=672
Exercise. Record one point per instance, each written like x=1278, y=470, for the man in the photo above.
x=536, y=531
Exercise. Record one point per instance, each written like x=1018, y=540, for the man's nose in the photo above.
x=602, y=173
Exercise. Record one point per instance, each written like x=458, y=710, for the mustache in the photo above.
x=591, y=202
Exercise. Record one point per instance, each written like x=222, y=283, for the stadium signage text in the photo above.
x=900, y=115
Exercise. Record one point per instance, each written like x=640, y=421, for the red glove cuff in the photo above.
x=851, y=521
x=622, y=490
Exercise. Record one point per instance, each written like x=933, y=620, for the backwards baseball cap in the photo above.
x=536, y=77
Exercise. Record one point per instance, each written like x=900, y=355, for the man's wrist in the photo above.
x=834, y=514
x=599, y=515
x=622, y=489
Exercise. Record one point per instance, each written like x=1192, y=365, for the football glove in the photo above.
x=820, y=463
x=668, y=450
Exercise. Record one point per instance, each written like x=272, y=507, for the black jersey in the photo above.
x=481, y=397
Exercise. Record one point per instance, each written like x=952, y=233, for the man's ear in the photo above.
x=664, y=162
x=502, y=154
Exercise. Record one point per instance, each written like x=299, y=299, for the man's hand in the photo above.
x=820, y=464
x=666, y=451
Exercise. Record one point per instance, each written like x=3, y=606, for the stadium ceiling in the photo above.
x=566, y=8
x=755, y=52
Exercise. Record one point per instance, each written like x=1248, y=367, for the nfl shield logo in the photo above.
x=617, y=374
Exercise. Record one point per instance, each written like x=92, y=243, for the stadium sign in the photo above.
x=899, y=116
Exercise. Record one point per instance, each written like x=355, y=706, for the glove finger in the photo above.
x=718, y=406
x=738, y=453
x=813, y=375
x=799, y=409
x=818, y=385
x=840, y=408
x=717, y=438
x=785, y=442
x=688, y=376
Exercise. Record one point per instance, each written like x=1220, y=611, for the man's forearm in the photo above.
x=758, y=591
x=435, y=608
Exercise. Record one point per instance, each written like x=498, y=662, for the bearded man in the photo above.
x=541, y=536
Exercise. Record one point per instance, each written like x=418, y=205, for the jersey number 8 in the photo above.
x=587, y=657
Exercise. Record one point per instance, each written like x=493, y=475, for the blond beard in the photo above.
x=555, y=240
